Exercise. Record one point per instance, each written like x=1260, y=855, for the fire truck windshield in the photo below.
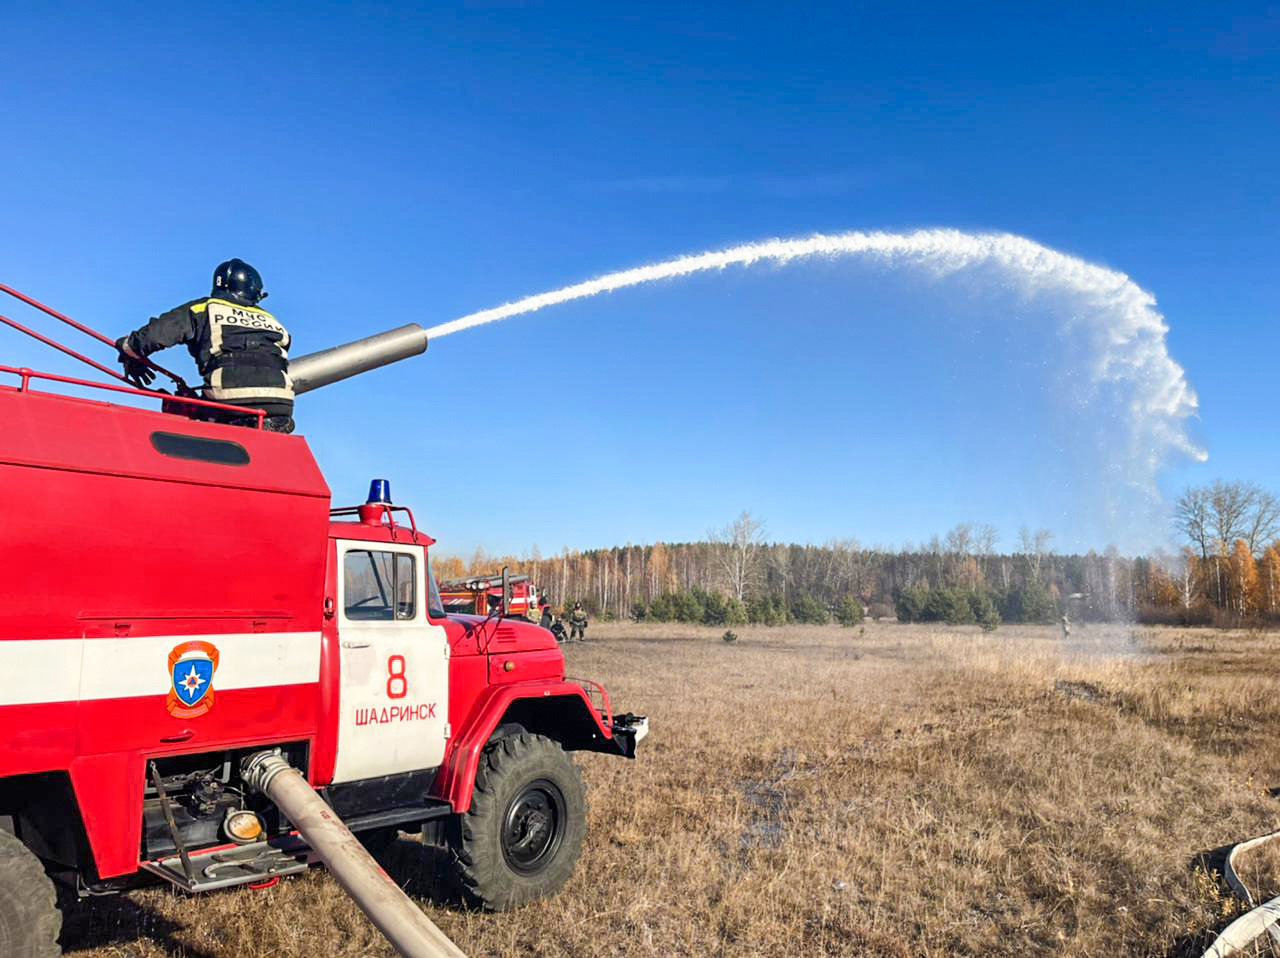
x=435, y=608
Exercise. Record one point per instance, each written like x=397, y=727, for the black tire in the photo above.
x=29, y=916
x=522, y=836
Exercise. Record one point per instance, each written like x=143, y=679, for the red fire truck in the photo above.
x=179, y=596
x=483, y=594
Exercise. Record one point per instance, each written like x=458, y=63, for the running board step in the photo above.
x=241, y=865
x=405, y=815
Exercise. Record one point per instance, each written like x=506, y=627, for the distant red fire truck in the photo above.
x=481, y=595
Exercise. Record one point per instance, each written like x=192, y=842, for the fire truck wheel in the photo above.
x=29, y=916
x=522, y=836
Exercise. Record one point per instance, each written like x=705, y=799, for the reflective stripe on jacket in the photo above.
x=241, y=351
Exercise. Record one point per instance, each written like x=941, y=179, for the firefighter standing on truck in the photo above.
x=577, y=623
x=242, y=351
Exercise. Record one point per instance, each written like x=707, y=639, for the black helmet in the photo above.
x=237, y=280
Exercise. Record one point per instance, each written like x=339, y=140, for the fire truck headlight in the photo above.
x=243, y=826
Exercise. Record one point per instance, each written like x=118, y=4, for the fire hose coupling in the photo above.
x=259, y=769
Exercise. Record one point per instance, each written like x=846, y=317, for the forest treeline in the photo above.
x=1228, y=573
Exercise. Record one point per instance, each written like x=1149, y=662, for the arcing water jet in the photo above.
x=1120, y=316
x=1116, y=322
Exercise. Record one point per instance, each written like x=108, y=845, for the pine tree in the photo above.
x=849, y=612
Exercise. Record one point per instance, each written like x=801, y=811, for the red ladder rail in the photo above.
x=23, y=297
x=26, y=375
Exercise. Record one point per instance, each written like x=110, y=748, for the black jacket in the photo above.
x=241, y=351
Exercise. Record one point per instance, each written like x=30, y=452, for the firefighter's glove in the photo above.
x=136, y=370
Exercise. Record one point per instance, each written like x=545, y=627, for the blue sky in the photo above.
x=386, y=163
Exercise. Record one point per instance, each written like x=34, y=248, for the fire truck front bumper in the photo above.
x=628, y=732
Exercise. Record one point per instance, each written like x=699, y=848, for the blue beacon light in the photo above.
x=379, y=493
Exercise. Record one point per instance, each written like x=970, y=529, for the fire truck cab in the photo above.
x=177, y=595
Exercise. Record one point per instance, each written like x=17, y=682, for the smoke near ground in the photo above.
x=1113, y=370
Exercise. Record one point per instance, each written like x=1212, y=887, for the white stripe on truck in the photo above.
x=65, y=670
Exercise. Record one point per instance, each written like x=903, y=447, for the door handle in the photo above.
x=356, y=645
x=182, y=736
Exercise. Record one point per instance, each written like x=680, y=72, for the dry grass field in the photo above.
x=885, y=790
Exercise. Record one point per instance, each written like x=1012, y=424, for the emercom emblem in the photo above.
x=191, y=668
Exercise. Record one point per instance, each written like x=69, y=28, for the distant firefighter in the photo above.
x=545, y=620
x=1066, y=626
x=577, y=623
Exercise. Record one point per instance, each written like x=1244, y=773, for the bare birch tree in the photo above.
x=985, y=538
x=1034, y=546
x=1191, y=518
x=1263, y=521
x=737, y=553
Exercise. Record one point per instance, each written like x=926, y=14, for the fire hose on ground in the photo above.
x=1252, y=925
x=394, y=914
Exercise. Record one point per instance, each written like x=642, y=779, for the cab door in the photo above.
x=393, y=695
